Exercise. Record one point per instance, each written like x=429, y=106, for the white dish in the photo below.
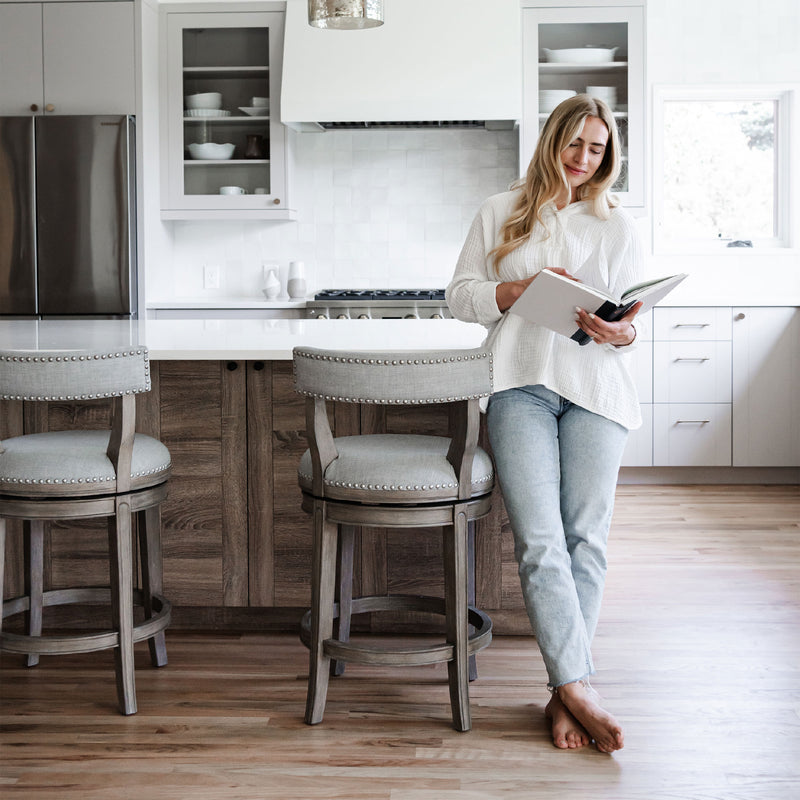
x=550, y=98
x=581, y=55
x=260, y=102
x=254, y=111
x=206, y=112
x=210, y=151
x=204, y=100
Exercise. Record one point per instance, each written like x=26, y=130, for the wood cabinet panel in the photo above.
x=202, y=420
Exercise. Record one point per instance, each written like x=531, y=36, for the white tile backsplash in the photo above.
x=375, y=209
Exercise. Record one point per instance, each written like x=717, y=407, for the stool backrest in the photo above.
x=73, y=374
x=400, y=377
x=456, y=377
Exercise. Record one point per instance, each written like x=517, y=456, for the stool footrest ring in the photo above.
x=82, y=643
x=403, y=655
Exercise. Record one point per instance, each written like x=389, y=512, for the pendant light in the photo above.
x=345, y=14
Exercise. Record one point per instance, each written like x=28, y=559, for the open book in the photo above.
x=551, y=299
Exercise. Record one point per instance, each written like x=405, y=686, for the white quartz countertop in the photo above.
x=268, y=339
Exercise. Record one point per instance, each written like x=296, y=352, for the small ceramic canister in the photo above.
x=296, y=285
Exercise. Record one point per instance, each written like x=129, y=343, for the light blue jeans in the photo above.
x=557, y=464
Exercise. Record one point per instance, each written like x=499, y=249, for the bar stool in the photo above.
x=78, y=474
x=393, y=481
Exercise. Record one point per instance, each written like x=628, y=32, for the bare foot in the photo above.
x=583, y=702
x=568, y=733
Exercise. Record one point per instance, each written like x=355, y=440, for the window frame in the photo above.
x=786, y=206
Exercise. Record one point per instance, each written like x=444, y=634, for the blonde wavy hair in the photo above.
x=546, y=181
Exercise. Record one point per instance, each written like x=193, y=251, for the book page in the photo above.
x=550, y=300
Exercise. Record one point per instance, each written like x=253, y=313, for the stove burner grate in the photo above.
x=396, y=295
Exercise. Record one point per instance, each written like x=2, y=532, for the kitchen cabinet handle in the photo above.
x=692, y=421
x=277, y=201
x=700, y=359
x=34, y=107
x=232, y=366
x=258, y=365
x=692, y=324
x=740, y=315
x=49, y=107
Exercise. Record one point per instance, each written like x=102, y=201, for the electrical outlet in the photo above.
x=211, y=276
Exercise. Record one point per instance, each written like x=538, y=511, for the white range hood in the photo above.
x=432, y=63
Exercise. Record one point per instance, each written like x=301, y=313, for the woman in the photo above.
x=560, y=414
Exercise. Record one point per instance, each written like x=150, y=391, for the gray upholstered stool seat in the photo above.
x=391, y=481
x=64, y=462
x=397, y=468
x=114, y=473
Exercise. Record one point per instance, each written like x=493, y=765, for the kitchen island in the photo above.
x=237, y=546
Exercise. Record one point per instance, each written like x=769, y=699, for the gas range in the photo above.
x=378, y=304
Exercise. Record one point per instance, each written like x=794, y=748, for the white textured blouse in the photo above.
x=606, y=254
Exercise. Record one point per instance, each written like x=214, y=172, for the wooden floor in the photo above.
x=698, y=653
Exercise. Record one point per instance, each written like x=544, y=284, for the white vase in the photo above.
x=272, y=286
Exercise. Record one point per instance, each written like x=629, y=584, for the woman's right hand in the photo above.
x=506, y=294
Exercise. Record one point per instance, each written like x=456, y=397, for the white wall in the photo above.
x=723, y=41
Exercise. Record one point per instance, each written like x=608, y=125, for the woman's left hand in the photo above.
x=619, y=333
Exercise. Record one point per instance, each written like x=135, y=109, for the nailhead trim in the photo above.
x=95, y=479
x=93, y=357
x=391, y=362
x=386, y=488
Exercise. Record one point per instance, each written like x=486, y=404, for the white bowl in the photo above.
x=210, y=151
x=206, y=112
x=259, y=102
x=550, y=98
x=580, y=55
x=204, y=100
x=254, y=111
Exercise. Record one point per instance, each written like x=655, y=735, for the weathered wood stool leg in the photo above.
x=473, y=664
x=323, y=580
x=121, y=573
x=149, y=523
x=347, y=537
x=455, y=574
x=2, y=566
x=34, y=533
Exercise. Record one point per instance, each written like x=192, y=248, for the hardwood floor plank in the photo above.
x=698, y=655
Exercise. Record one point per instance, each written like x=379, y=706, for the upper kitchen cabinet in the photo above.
x=224, y=151
x=67, y=58
x=582, y=46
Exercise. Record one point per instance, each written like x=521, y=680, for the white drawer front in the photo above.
x=686, y=324
x=692, y=435
x=692, y=372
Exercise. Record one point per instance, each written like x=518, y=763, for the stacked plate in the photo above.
x=550, y=98
x=206, y=112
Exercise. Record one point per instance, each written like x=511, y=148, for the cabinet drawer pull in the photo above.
x=692, y=421
x=692, y=324
x=698, y=359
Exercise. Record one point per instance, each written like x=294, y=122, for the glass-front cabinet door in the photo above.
x=598, y=50
x=226, y=150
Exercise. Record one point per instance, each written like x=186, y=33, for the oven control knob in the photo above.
x=342, y=316
x=410, y=316
x=322, y=316
x=363, y=316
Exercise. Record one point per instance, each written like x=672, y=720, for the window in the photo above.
x=721, y=171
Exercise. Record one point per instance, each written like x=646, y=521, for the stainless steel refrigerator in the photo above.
x=67, y=217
